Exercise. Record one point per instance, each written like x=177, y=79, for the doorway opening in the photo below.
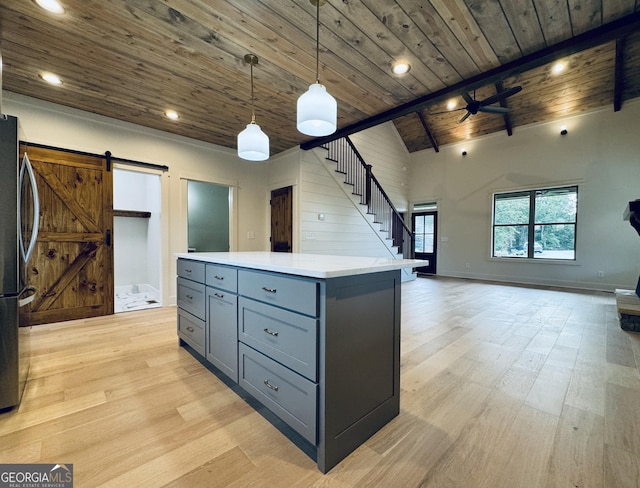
x=137, y=240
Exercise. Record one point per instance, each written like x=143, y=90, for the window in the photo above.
x=424, y=231
x=536, y=224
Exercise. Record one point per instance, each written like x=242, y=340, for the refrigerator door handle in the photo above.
x=28, y=170
x=31, y=291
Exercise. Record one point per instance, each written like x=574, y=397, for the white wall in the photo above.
x=58, y=126
x=601, y=153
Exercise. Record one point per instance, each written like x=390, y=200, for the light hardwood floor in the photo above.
x=502, y=386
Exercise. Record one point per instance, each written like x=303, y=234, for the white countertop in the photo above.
x=312, y=265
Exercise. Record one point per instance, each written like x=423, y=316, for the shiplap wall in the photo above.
x=346, y=229
x=383, y=149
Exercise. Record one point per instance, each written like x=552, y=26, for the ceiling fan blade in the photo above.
x=467, y=97
x=501, y=96
x=490, y=109
x=464, y=117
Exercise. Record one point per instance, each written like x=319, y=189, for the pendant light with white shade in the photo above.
x=317, y=110
x=253, y=144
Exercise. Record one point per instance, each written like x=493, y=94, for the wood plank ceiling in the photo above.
x=134, y=59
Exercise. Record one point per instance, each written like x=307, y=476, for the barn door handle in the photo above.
x=107, y=239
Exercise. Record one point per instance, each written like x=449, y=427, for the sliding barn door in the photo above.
x=72, y=265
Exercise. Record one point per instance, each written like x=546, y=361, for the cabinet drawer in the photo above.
x=191, y=270
x=289, y=292
x=287, y=337
x=191, y=330
x=287, y=394
x=222, y=277
x=191, y=297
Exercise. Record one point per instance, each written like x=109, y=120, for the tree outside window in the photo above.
x=536, y=224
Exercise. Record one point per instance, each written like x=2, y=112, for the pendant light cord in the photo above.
x=253, y=112
x=318, y=41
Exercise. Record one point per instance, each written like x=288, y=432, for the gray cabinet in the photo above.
x=191, y=304
x=321, y=354
x=278, y=333
x=191, y=330
x=288, y=337
x=222, y=319
x=287, y=394
x=191, y=270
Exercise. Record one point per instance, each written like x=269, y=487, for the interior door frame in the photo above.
x=289, y=191
x=183, y=239
x=432, y=269
x=295, y=237
x=165, y=254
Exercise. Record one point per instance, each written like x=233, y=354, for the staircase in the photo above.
x=358, y=174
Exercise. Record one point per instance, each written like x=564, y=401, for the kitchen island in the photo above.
x=314, y=338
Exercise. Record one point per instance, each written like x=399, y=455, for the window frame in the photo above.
x=532, y=224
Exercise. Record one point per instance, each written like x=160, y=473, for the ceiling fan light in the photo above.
x=253, y=144
x=317, y=112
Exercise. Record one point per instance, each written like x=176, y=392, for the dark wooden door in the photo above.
x=425, y=230
x=281, y=219
x=72, y=265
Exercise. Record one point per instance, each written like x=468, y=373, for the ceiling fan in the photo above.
x=474, y=106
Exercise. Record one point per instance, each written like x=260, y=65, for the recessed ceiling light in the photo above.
x=400, y=68
x=451, y=104
x=171, y=114
x=52, y=6
x=558, y=68
x=51, y=78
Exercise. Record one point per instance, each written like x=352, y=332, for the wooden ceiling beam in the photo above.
x=595, y=37
x=427, y=129
x=618, y=86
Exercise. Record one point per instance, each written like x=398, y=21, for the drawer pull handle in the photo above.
x=190, y=297
x=269, y=385
x=218, y=295
x=270, y=332
x=219, y=277
x=269, y=290
x=187, y=271
x=190, y=329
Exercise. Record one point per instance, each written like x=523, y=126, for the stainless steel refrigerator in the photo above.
x=19, y=216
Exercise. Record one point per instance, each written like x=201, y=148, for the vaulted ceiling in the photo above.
x=134, y=59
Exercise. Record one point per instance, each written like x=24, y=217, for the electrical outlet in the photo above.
x=467, y=265
x=600, y=274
